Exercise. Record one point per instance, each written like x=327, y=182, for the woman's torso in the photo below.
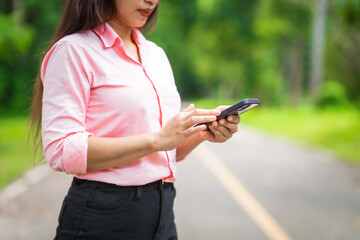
x=124, y=98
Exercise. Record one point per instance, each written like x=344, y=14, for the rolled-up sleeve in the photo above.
x=66, y=80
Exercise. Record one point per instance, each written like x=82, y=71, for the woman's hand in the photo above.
x=180, y=127
x=222, y=130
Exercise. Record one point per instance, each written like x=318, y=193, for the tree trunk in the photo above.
x=316, y=70
x=17, y=6
x=296, y=71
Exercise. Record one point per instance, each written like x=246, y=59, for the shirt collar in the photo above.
x=109, y=37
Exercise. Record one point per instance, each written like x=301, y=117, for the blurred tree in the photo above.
x=218, y=48
x=235, y=49
x=343, y=48
x=15, y=41
x=6, y=7
x=220, y=45
x=17, y=6
x=317, y=56
x=281, y=42
x=24, y=32
x=172, y=33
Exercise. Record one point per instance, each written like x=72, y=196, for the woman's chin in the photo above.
x=140, y=24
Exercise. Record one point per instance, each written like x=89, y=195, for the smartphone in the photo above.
x=236, y=109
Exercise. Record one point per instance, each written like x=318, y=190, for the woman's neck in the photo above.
x=123, y=31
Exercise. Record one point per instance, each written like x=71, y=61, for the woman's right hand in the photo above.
x=180, y=127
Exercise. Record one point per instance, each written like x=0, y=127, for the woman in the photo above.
x=108, y=108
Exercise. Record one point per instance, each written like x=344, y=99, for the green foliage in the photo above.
x=23, y=36
x=280, y=46
x=218, y=48
x=15, y=152
x=332, y=94
x=172, y=31
x=343, y=49
x=349, y=10
x=15, y=40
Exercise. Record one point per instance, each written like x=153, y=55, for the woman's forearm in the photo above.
x=190, y=144
x=179, y=132
x=104, y=153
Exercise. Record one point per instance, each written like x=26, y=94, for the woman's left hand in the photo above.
x=222, y=130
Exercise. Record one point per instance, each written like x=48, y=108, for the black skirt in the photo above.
x=95, y=210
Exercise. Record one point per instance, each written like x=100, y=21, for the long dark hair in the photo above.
x=78, y=15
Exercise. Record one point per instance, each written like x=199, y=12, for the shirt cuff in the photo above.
x=75, y=153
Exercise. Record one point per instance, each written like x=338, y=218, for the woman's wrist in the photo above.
x=189, y=145
x=155, y=141
x=199, y=137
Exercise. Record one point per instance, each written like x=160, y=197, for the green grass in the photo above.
x=337, y=130
x=16, y=155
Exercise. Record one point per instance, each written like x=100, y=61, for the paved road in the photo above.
x=252, y=187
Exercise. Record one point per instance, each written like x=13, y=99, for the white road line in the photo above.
x=243, y=197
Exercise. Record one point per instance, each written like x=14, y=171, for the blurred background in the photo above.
x=301, y=58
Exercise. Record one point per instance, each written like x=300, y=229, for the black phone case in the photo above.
x=236, y=109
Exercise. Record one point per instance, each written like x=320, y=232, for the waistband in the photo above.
x=150, y=186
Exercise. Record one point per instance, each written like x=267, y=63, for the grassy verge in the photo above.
x=335, y=129
x=16, y=155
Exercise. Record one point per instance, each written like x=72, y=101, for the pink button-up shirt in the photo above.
x=92, y=86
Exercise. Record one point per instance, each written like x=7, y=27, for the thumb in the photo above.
x=189, y=108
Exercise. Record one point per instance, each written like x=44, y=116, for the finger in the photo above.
x=193, y=130
x=198, y=119
x=233, y=127
x=218, y=135
x=190, y=108
x=223, y=130
x=202, y=112
x=234, y=119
